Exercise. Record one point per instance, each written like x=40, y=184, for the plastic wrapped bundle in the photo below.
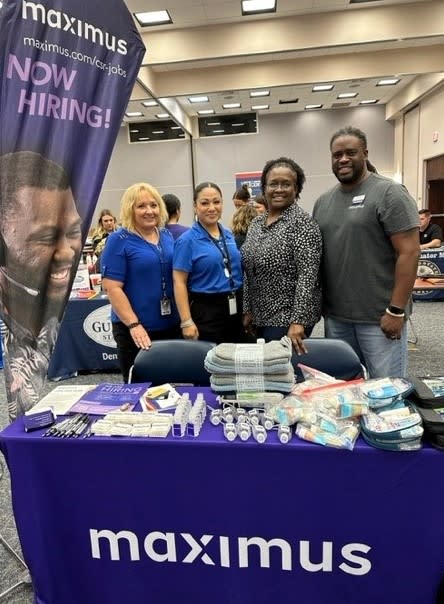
x=257, y=367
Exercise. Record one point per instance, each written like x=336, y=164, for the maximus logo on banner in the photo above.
x=163, y=547
x=59, y=20
x=97, y=326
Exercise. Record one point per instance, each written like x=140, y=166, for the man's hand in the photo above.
x=392, y=326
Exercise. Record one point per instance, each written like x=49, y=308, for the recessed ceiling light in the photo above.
x=218, y=131
x=388, y=82
x=156, y=17
x=255, y=93
x=231, y=106
x=158, y=132
x=347, y=95
x=198, y=99
x=368, y=102
x=144, y=138
x=162, y=116
x=149, y=103
x=134, y=130
x=322, y=87
x=176, y=128
x=238, y=124
x=213, y=123
x=133, y=114
x=259, y=107
x=313, y=106
x=250, y=7
x=205, y=111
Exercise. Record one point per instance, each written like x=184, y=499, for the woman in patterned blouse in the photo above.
x=281, y=256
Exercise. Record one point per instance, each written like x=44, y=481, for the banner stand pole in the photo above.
x=10, y=549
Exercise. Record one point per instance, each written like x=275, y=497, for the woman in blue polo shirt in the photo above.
x=137, y=275
x=207, y=273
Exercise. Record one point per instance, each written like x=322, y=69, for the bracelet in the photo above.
x=132, y=325
x=397, y=310
x=187, y=323
x=394, y=314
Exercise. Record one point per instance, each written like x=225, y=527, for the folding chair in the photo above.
x=335, y=357
x=172, y=361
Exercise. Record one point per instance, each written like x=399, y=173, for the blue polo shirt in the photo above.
x=197, y=254
x=141, y=266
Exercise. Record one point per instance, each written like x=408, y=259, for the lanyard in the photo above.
x=225, y=254
x=159, y=252
x=159, y=249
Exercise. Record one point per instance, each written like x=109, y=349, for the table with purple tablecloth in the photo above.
x=199, y=520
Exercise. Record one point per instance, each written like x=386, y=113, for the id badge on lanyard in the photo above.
x=232, y=304
x=165, y=306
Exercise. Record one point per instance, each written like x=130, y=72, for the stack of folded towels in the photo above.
x=251, y=367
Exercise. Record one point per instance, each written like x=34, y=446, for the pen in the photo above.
x=78, y=421
x=81, y=427
x=54, y=429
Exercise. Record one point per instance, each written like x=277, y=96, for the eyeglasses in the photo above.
x=285, y=186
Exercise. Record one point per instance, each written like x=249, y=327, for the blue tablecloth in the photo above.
x=431, y=263
x=85, y=341
x=107, y=521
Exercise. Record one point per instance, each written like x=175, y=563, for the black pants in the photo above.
x=276, y=333
x=211, y=314
x=127, y=350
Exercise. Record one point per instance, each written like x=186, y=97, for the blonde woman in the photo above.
x=137, y=275
x=106, y=224
x=241, y=221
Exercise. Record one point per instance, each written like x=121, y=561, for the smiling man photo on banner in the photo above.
x=40, y=246
x=67, y=69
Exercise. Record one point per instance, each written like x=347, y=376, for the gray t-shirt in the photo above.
x=358, y=265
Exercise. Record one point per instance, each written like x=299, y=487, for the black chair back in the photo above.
x=174, y=362
x=335, y=357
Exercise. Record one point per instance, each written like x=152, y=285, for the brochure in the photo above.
x=108, y=397
x=62, y=398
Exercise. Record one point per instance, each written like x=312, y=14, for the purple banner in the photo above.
x=66, y=73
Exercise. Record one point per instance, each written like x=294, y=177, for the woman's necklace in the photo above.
x=216, y=231
x=152, y=237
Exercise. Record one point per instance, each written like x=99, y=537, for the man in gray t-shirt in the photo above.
x=369, y=226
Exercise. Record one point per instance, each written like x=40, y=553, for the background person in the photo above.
x=260, y=204
x=241, y=196
x=241, y=221
x=430, y=235
x=369, y=225
x=106, y=224
x=172, y=204
x=137, y=275
x=208, y=274
x=281, y=257
x=40, y=246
